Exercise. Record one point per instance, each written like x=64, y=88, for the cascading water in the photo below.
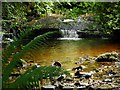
x=69, y=34
x=69, y=28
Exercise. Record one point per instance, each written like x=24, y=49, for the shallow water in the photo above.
x=67, y=52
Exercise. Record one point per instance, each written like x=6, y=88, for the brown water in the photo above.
x=67, y=52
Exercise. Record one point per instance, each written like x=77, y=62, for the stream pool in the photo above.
x=67, y=52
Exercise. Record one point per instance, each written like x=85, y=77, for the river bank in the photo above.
x=88, y=74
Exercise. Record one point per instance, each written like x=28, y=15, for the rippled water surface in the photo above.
x=68, y=51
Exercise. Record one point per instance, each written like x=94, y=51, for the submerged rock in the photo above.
x=56, y=63
x=78, y=68
x=108, y=57
x=117, y=64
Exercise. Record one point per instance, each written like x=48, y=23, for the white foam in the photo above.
x=69, y=38
x=68, y=20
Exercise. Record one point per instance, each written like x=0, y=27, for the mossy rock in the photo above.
x=108, y=57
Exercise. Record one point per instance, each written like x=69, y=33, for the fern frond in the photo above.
x=10, y=49
x=17, y=43
x=38, y=40
x=30, y=46
x=36, y=75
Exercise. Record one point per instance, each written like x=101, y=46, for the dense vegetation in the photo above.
x=15, y=23
x=105, y=14
x=19, y=23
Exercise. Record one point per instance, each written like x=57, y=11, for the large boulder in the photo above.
x=108, y=57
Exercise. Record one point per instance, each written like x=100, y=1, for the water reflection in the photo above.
x=68, y=51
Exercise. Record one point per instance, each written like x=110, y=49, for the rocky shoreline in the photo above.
x=105, y=76
x=91, y=73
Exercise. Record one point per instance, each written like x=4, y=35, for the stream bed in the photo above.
x=79, y=57
x=67, y=52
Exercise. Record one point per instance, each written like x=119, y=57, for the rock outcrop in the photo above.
x=108, y=57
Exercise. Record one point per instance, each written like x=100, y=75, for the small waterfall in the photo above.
x=69, y=33
x=70, y=27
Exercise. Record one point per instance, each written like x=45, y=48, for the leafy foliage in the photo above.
x=105, y=14
x=17, y=18
x=21, y=21
x=34, y=44
x=34, y=76
x=108, y=15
